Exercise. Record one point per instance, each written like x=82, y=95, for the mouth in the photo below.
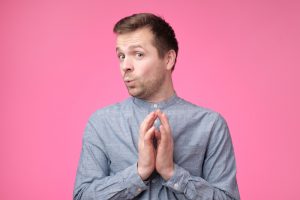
x=127, y=79
x=129, y=82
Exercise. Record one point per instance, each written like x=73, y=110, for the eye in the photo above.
x=121, y=56
x=139, y=55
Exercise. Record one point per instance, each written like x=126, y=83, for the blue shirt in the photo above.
x=203, y=154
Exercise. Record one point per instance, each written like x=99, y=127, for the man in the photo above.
x=154, y=145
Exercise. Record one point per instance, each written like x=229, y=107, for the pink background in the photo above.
x=58, y=65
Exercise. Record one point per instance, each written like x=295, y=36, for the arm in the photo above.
x=219, y=171
x=93, y=180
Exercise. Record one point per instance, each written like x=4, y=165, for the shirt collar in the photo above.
x=158, y=105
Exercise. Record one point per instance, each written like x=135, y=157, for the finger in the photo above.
x=147, y=122
x=163, y=133
x=143, y=129
x=147, y=118
x=149, y=135
x=164, y=120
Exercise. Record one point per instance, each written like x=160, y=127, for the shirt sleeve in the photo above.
x=219, y=170
x=93, y=180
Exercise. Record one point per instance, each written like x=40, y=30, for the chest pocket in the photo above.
x=190, y=158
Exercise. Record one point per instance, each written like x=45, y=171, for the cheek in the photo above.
x=143, y=69
x=121, y=69
x=148, y=69
x=122, y=72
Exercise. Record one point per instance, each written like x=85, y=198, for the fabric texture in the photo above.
x=203, y=154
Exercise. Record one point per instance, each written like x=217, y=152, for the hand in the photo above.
x=147, y=152
x=164, y=158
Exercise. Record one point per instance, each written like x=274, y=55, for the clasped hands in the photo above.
x=161, y=157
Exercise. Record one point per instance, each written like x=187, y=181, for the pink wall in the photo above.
x=58, y=65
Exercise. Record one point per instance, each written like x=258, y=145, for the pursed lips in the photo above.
x=128, y=81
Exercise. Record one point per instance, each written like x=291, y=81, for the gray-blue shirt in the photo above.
x=203, y=154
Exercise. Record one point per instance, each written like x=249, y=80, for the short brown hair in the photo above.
x=164, y=35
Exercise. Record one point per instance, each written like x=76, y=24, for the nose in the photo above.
x=127, y=64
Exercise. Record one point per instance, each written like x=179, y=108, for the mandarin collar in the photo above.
x=154, y=106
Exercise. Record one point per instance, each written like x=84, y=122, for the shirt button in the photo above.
x=155, y=105
x=176, y=186
x=139, y=190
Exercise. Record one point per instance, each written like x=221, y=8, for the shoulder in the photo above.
x=213, y=122
x=207, y=118
x=197, y=110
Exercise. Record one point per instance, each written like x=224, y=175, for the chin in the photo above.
x=137, y=94
x=133, y=92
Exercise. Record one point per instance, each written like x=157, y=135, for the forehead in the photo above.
x=142, y=37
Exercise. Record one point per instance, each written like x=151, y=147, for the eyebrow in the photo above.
x=131, y=47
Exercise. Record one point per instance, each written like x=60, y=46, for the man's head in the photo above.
x=164, y=35
x=147, y=49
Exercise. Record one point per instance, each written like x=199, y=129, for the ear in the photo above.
x=170, y=59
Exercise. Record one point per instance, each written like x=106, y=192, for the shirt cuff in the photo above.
x=133, y=182
x=179, y=180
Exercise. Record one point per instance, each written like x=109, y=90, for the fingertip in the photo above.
x=149, y=133
x=161, y=128
x=159, y=112
x=164, y=115
x=152, y=115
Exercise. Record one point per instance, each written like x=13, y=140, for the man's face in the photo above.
x=143, y=71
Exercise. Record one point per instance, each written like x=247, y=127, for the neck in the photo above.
x=165, y=93
x=160, y=98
